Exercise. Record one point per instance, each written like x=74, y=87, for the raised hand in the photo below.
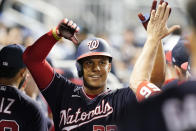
x=145, y=18
x=157, y=25
x=67, y=29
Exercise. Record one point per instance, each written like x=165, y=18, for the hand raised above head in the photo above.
x=145, y=18
x=157, y=26
x=67, y=29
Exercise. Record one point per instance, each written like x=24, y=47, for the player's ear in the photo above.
x=23, y=72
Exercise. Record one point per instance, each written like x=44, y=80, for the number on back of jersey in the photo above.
x=5, y=104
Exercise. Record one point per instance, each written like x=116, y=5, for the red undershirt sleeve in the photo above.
x=35, y=59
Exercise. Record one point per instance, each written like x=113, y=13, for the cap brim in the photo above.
x=94, y=54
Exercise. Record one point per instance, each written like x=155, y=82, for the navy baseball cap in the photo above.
x=180, y=54
x=11, y=56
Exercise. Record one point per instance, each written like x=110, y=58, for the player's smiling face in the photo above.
x=95, y=71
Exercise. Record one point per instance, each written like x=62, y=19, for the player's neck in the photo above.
x=94, y=92
x=10, y=82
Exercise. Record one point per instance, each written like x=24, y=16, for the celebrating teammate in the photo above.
x=17, y=111
x=159, y=57
x=156, y=30
x=173, y=109
x=90, y=107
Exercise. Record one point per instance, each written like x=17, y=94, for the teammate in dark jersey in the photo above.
x=172, y=110
x=17, y=111
x=91, y=107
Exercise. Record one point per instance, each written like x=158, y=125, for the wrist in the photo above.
x=55, y=34
x=152, y=40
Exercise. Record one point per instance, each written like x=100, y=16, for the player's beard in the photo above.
x=90, y=86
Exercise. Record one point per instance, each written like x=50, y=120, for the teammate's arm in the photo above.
x=160, y=57
x=156, y=30
x=159, y=68
x=35, y=56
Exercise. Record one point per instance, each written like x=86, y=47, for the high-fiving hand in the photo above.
x=157, y=25
x=145, y=18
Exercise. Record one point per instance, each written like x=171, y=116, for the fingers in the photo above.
x=144, y=20
x=74, y=39
x=161, y=2
x=173, y=28
x=158, y=13
x=77, y=29
x=141, y=17
x=154, y=5
x=71, y=24
x=65, y=20
x=166, y=15
x=152, y=17
x=163, y=8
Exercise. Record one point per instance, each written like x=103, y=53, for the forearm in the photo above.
x=40, y=49
x=159, y=67
x=35, y=59
x=143, y=67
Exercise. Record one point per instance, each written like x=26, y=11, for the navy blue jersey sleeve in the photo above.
x=59, y=90
x=168, y=111
x=124, y=99
x=172, y=84
x=38, y=121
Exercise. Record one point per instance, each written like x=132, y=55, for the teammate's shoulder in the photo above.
x=173, y=83
x=177, y=91
x=22, y=99
x=9, y=91
x=28, y=101
x=184, y=86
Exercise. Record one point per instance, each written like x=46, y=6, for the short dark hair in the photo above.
x=8, y=72
x=191, y=11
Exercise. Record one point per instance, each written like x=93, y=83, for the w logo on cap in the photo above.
x=94, y=44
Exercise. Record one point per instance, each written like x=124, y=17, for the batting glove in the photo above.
x=67, y=29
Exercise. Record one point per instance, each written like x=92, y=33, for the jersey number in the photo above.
x=147, y=90
x=102, y=128
x=9, y=125
x=5, y=105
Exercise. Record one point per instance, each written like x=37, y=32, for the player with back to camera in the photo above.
x=18, y=112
